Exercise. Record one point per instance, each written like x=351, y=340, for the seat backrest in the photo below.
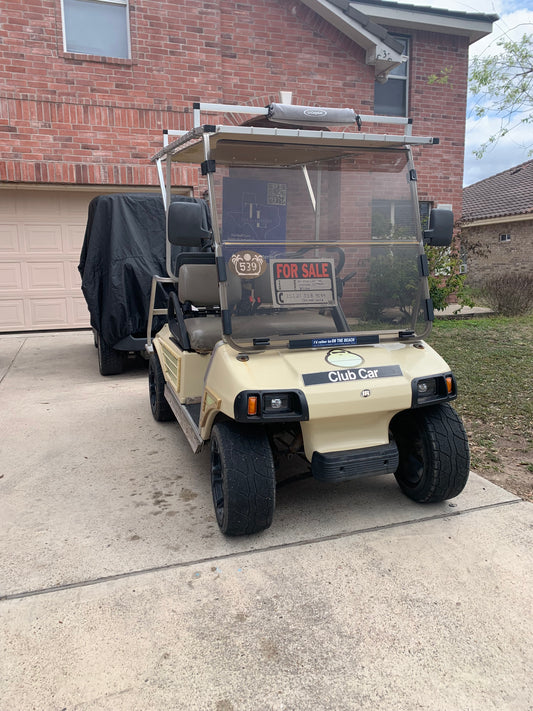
x=198, y=283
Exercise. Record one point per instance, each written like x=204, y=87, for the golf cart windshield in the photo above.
x=321, y=244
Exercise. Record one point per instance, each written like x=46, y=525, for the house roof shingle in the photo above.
x=427, y=9
x=503, y=194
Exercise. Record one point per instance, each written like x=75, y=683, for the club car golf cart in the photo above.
x=300, y=331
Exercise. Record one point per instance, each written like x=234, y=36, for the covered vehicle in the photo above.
x=123, y=247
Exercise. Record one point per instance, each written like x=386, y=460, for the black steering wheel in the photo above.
x=339, y=265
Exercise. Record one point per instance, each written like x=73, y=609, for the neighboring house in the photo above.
x=87, y=86
x=497, y=224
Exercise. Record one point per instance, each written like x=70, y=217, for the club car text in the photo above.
x=347, y=375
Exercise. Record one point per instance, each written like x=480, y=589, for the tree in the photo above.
x=502, y=85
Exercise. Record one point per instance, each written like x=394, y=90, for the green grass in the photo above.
x=492, y=358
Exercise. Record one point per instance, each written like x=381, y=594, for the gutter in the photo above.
x=497, y=220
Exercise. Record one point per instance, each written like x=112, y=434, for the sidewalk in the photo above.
x=118, y=592
x=458, y=311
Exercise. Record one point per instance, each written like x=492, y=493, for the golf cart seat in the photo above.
x=194, y=312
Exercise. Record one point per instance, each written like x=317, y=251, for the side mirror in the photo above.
x=440, y=230
x=187, y=225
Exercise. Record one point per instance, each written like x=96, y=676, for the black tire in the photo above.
x=110, y=361
x=161, y=410
x=243, y=478
x=434, y=456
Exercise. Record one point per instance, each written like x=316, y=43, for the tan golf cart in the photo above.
x=297, y=323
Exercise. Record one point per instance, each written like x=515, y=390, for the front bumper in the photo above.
x=355, y=463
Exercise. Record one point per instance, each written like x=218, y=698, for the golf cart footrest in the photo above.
x=354, y=463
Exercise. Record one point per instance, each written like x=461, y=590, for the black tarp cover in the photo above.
x=124, y=246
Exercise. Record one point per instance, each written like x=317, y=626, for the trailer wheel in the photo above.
x=243, y=478
x=161, y=410
x=110, y=361
x=434, y=455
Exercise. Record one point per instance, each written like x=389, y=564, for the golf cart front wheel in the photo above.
x=243, y=478
x=161, y=410
x=434, y=456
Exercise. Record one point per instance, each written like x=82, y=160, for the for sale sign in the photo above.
x=303, y=282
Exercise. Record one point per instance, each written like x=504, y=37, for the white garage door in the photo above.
x=41, y=234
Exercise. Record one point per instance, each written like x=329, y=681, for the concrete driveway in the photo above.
x=118, y=591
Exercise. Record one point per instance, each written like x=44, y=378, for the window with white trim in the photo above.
x=505, y=238
x=99, y=27
x=390, y=97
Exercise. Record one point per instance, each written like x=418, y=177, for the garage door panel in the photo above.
x=80, y=312
x=49, y=313
x=43, y=239
x=11, y=277
x=10, y=240
x=12, y=315
x=73, y=275
x=73, y=237
x=39, y=205
x=46, y=275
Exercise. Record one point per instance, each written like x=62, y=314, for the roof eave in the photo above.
x=472, y=26
x=482, y=221
x=382, y=51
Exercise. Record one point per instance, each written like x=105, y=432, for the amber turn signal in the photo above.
x=252, y=404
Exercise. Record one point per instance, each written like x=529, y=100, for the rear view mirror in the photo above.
x=187, y=225
x=440, y=230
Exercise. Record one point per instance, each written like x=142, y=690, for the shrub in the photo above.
x=509, y=294
x=445, y=278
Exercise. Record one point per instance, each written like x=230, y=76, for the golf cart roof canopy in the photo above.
x=189, y=148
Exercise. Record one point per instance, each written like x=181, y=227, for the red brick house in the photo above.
x=87, y=86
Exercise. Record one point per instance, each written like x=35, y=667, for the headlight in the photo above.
x=263, y=406
x=278, y=402
x=438, y=388
x=427, y=388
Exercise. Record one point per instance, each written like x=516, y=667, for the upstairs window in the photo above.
x=390, y=97
x=99, y=27
x=395, y=218
x=505, y=238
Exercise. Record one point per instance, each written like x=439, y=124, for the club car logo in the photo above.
x=315, y=113
x=343, y=358
x=248, y=265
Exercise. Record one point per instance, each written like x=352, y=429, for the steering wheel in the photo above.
x=338, y=251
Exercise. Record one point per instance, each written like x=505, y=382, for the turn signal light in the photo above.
x=252, y=404
x=449, y=384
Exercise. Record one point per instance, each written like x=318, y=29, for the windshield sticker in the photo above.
x=346, y=376
x=248, y=264
x=303, y=282
x=253, y=210
x=342, y=358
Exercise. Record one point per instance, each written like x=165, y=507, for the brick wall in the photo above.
x=69, y=118
x=492, y=257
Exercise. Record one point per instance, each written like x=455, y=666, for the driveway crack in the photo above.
x=248, y=553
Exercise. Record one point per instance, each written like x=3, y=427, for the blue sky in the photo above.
x=516, y=19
